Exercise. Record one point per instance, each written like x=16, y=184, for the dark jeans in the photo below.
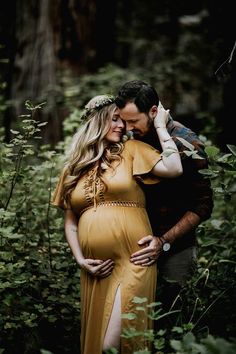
x=174, y=270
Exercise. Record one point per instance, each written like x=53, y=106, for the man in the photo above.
x=175, y=206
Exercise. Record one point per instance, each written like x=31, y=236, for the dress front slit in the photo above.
x=114, y=319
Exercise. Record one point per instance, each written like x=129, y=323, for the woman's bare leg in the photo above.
x=112, y=336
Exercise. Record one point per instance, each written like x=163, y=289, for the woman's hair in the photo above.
x=89, y=145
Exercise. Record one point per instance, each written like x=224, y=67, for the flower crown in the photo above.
x=100, y=103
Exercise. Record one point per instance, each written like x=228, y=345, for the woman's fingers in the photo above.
x=94, y=262
x=99, y=268
x=161, y=118
x=105, y=268
x=105, y=273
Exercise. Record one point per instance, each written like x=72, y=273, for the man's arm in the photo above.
x=153, y=248
x=199, y=211
x=201, y=208
x=185, y=225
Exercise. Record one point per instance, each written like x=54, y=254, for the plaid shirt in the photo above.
x=169, y=200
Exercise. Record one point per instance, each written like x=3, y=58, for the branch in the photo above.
x=229, y=59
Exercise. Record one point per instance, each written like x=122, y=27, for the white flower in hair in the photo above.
x=96, y=103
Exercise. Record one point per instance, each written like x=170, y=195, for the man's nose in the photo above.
x=129, y=126
x=121, y=124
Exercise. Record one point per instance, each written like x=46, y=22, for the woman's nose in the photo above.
x=121, y=124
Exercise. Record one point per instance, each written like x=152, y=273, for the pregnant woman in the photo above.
x=105, y=216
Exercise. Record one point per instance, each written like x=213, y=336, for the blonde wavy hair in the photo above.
x=89, y=147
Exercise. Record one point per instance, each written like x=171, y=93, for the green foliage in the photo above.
x=39, y=280
x=222, y=171
x=79, y=90
x=214, y=285
x=208, y=345
x=181, y=339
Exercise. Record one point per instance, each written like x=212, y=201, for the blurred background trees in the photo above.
x=54, y=56
x=64, y=51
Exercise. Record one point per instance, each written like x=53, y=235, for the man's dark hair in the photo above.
x=143, y=95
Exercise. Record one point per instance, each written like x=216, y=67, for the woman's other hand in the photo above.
x=161, y=118
x=97, y=267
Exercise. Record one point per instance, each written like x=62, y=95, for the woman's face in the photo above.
x=116, y=129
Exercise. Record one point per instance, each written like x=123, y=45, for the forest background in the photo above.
x=54, y=56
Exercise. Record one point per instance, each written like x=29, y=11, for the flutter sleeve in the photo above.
x=57, y=196
x=145, y=157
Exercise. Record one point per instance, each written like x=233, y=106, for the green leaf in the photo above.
x=168, y=151
x=14, y=131
x=139, y=300
x=153, y=304
x=140, y=308
x=42, y=124
x=186, y=143
x=188, y=339
x=196, y=156
x=14, y=236
x=111, y=351
x=232, y=148
x=176, y=345
x=189, y=153
x=159, y=343
x=9, y=232
x=209, y=173
x=212, y=151
x=128, y=316
x=217, y=224
x=177, y=329
x=161, y=332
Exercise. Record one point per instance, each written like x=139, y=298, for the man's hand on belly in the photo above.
x=149, y=254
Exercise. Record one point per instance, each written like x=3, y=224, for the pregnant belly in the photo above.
x=112, y=232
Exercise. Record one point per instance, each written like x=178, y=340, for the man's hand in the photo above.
x=148, y=255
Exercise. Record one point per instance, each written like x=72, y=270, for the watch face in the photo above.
x=166, y=246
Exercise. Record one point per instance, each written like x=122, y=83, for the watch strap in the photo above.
x=165, y=244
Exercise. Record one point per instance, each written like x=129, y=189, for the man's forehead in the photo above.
x=130, y=111
x=130, y=107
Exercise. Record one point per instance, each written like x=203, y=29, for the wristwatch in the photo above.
x=165, y=244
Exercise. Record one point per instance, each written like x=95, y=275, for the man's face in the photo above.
x=139, y=123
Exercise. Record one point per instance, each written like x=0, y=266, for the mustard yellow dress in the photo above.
x=111, y=221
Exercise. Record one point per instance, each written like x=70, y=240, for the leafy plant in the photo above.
x=39, y=280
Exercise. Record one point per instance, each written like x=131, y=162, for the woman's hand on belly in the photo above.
x=97, y=267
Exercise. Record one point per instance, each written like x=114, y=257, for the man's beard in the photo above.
x=139, y=136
